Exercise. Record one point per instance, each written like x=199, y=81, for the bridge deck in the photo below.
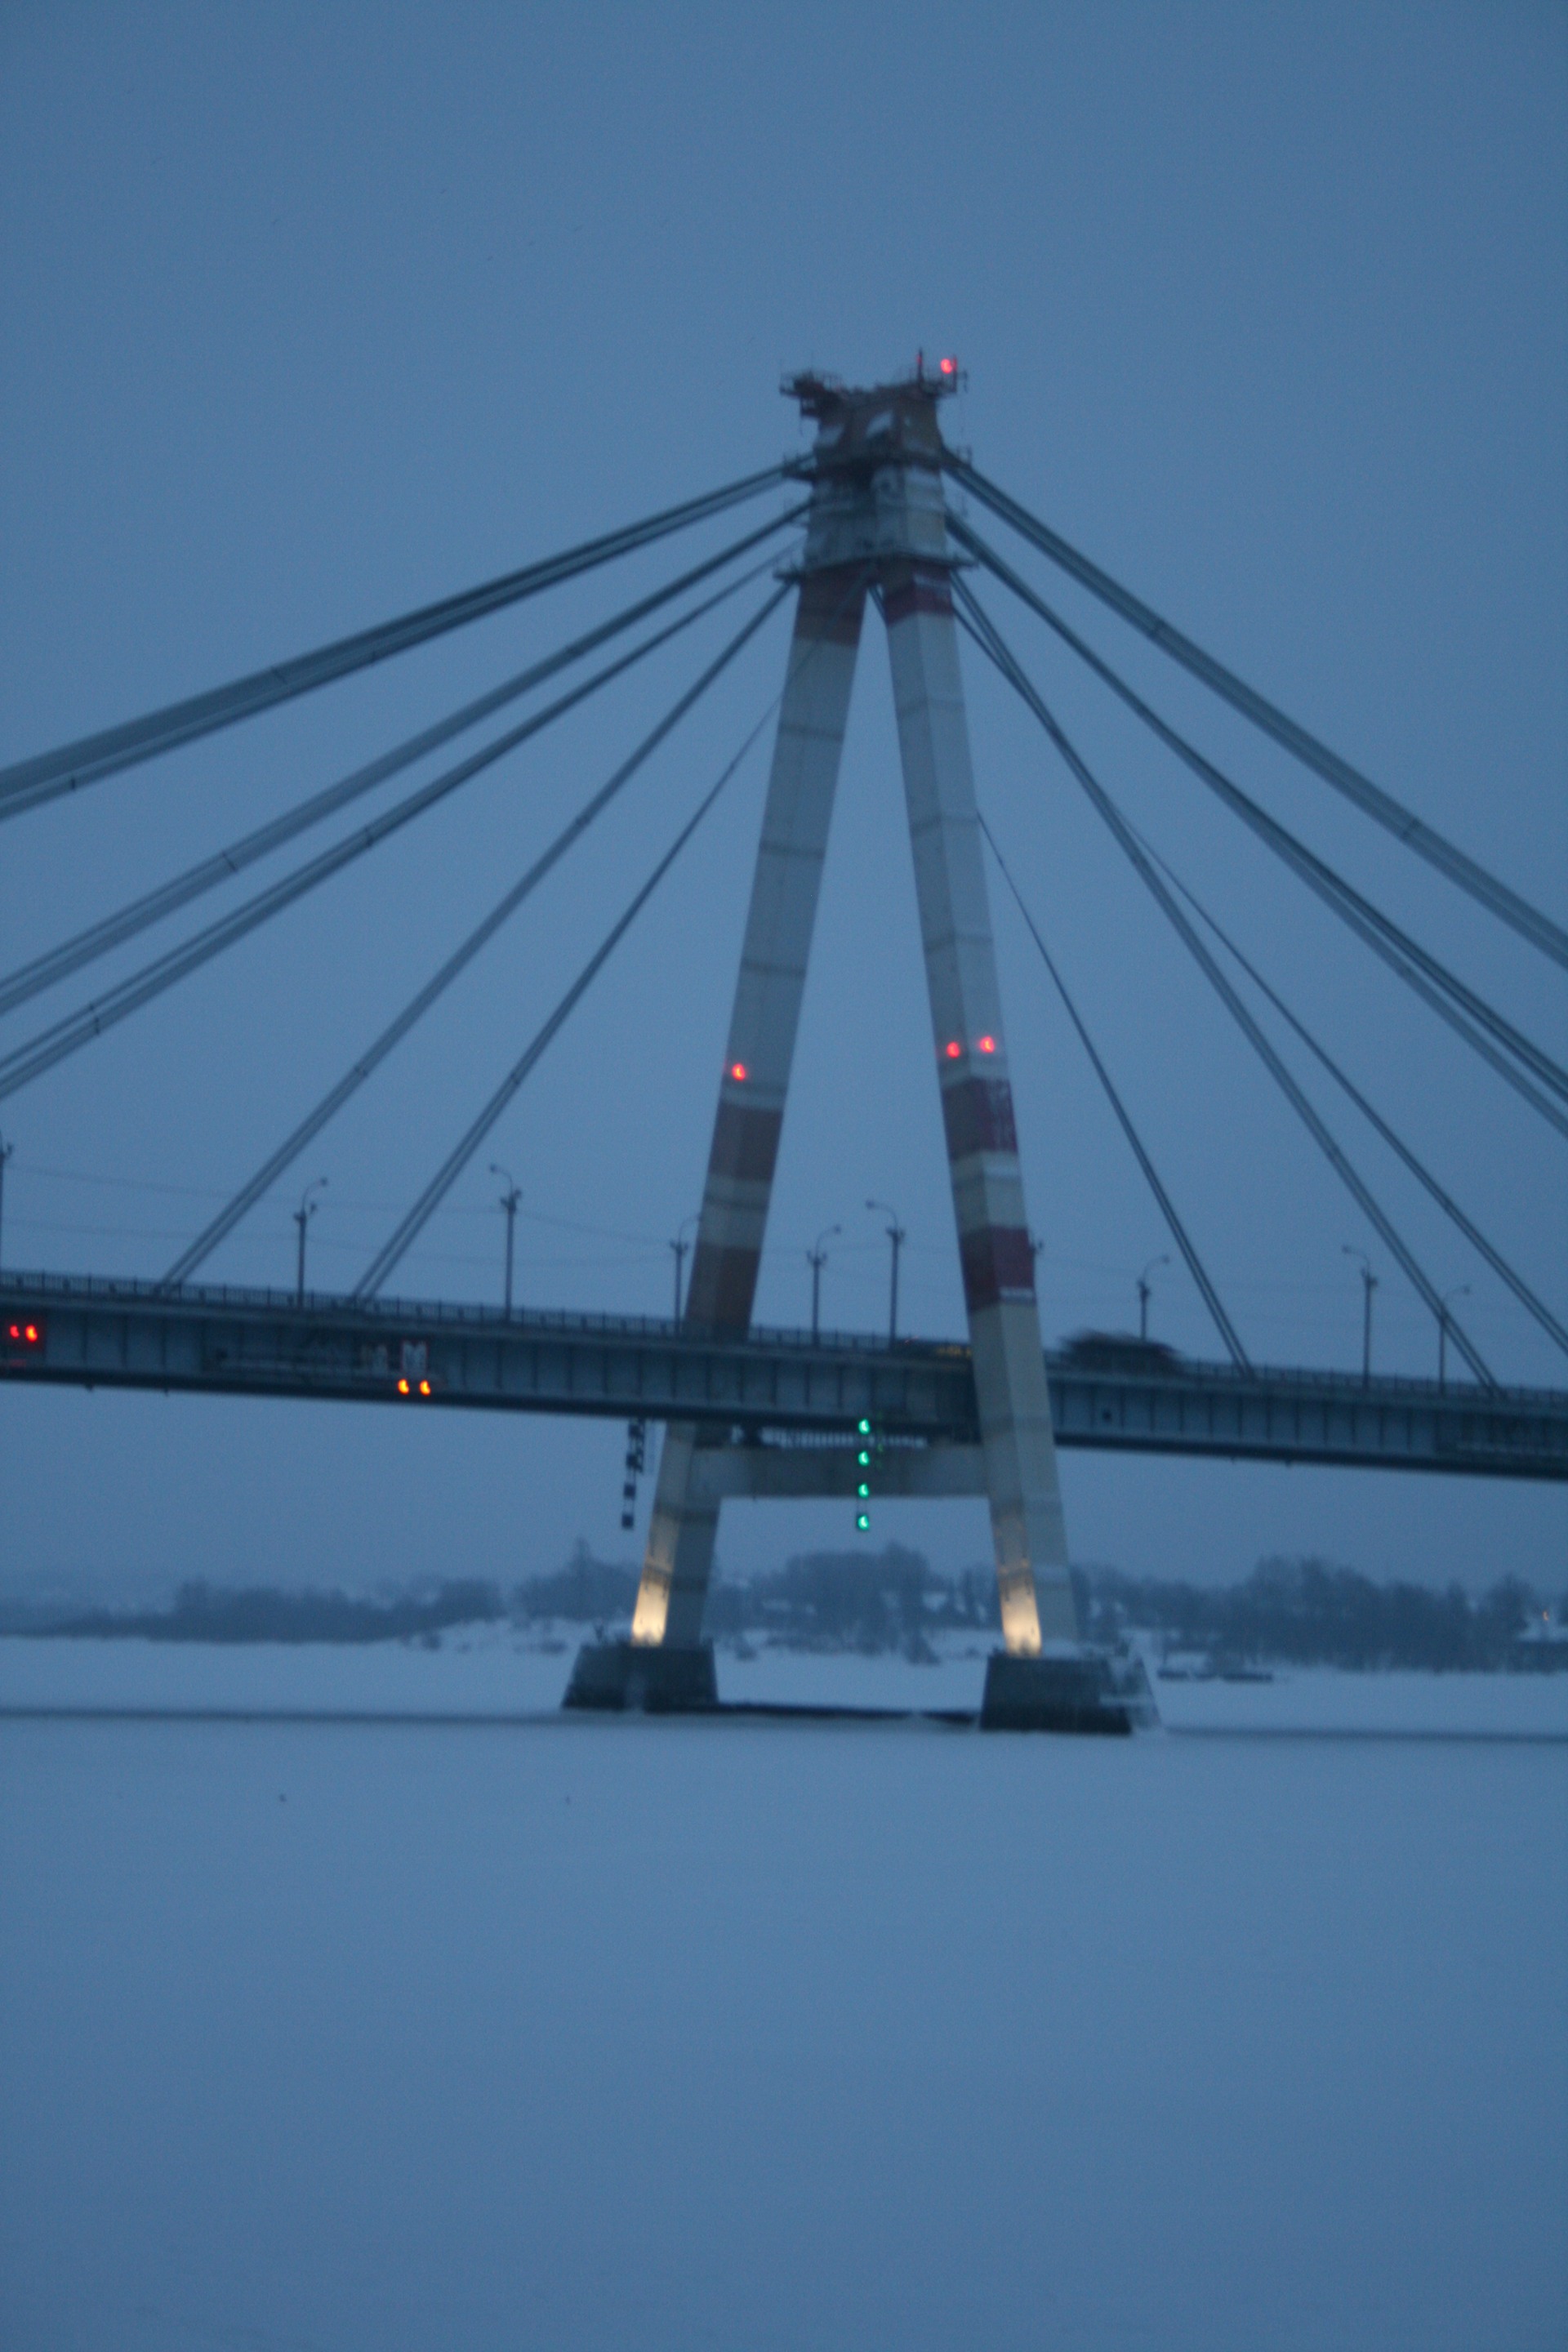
x=88, y=1332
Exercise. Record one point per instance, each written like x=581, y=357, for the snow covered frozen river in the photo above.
x=380, y=2037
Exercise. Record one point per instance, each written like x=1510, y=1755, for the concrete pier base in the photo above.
x=643, y=1678
x=1087, y=1692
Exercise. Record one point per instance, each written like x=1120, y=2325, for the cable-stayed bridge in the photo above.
x=864, y=522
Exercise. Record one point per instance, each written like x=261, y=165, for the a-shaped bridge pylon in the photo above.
x=877, y=530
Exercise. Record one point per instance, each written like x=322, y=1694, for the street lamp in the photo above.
x=681, y=1246
x=1145, y=1293
x=816, y=1258
x=303, y=1216
x=897, y=1236
x=1462, y=1292
x=509, y=1202
x=1369, y=1284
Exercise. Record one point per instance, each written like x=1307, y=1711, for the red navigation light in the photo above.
x=738, y=1072
x=952, y=1049
x=403, y=1388
x=985, y=1045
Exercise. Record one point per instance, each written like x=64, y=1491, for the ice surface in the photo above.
x=380, y=2038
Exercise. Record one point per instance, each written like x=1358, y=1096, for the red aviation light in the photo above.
x=952, y=1049
x=985, y=1045
x=948, y=367
x=738, y=1072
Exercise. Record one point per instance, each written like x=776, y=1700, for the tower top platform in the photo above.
x=877, y=424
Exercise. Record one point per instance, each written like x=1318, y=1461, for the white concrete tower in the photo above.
x=752, y=1092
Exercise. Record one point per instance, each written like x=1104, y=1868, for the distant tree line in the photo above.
x=1297, y=1611
x=1309, y=1612
x=205, y=1613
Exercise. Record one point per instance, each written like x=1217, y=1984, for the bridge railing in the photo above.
x=196, y=1297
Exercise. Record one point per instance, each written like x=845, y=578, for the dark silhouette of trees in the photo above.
x=1288, y=1611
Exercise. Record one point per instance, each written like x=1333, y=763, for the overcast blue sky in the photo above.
x=315, y=313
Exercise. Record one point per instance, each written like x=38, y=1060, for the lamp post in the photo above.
x=1145, y=1293
x=1369, y=1284
x=5, y=1151
x=898, y=1237
x=816, y=1258
x=303, y=1216
x=1462, y=1292
x=679, y=1246
x=509, y=1202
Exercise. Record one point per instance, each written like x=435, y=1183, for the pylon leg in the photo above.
x=684, y=1524
x=996, y=1249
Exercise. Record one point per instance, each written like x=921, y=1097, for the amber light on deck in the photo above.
x=403, y=1388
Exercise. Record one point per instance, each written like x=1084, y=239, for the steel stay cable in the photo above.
x=67, y=1037
x=1179, y=1234
x=1529, y=921
x=1450, y=1208
x=419, y=1004
x=452, y=1167
x=43, y=971
x=46, y=775
x=991, y=643
x=1448, y=995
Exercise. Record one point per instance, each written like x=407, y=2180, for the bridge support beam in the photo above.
x=995, y=1251
x=679, y=1561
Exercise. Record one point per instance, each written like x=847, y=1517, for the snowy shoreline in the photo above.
x=495, y=1671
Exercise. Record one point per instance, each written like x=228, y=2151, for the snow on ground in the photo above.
x=499, y=1670
x=356, y=2037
